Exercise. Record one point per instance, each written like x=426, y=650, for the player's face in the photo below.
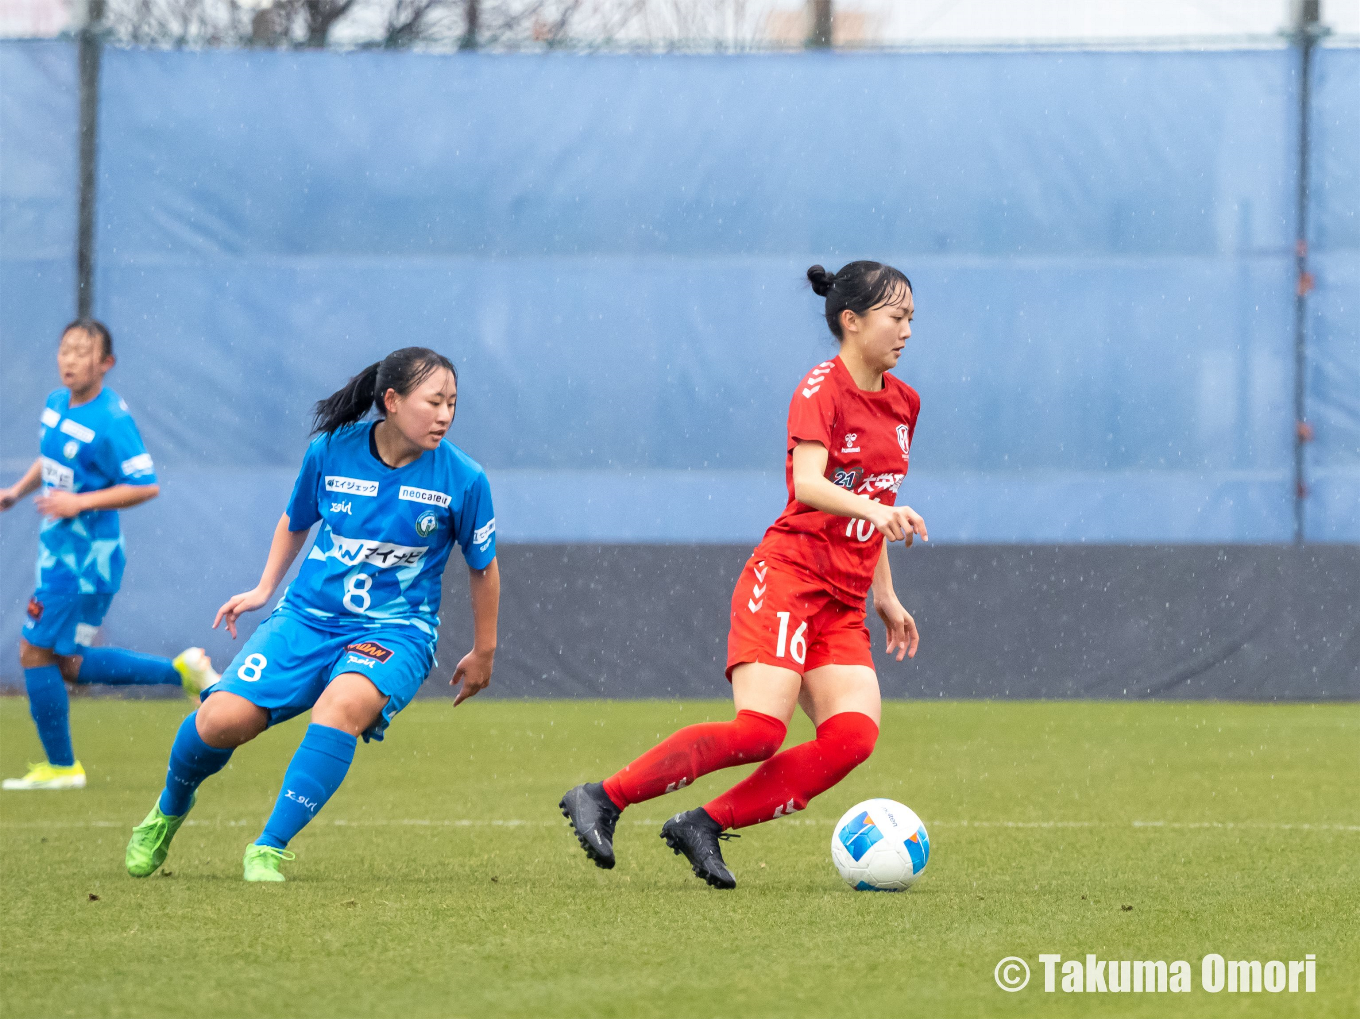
x=81, y=361
x=881, y=333
x=425, y=413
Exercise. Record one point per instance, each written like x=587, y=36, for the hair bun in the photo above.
x=821, y=280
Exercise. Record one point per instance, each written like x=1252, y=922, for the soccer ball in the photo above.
x=880, y=846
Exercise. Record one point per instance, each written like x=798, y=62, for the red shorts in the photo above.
x=779, y=618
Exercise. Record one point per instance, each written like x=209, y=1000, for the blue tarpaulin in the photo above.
x=612, y=249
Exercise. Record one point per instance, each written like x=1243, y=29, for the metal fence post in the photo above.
x=89, y=49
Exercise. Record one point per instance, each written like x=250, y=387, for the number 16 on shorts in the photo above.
x=797, y=648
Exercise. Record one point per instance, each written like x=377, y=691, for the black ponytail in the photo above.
x=402, y=370
x=859, y=286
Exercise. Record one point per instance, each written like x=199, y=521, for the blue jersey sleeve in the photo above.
x=123, y=456
x=304, y=507
x=477, y=524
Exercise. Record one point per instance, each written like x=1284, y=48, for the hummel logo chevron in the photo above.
x=754, y=606
x=785, y=809
x=759, y=572
x=758, y=591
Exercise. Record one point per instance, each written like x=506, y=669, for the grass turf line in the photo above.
x=381, y=918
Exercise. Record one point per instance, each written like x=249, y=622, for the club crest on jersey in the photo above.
x=904, y=440
x=35, y=609
x=426, y=524
x=370, y=649
x=848, y=477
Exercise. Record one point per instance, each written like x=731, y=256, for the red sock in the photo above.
x=786, y=782
x=696, y=750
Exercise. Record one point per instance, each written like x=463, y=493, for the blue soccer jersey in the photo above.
x=386, y=532
x=87, y=449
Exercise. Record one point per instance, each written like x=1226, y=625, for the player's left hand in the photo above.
x=58, y=505
x=474, y=672
x=902, y=633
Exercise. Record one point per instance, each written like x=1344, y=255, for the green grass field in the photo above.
x=441, y=881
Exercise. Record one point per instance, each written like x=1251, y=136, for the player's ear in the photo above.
x=849, y=321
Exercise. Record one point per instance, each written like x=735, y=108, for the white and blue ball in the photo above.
x=880, y=846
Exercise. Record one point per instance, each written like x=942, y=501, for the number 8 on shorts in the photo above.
x=252, y=667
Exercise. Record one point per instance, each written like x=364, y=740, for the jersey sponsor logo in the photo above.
x=818, y=376
x=383, y=554
x=427, y=523
x=35, y=609
x=904, y=440
x=850, y=446
x=50, y=418
x=70, y=449
x=55, y=475
x=343, y=507
x=86, y=634
x=367, y=663
x=847, y=477
x=874, y=483
x=139, y=464
x=483, y=534
x=424, y=495
x=77, y=431
x=370, y=649
x=350, y=486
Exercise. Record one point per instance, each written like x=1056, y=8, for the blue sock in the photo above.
x=115, y=667
x=51, y=712
x=191, y=761
x=315, y=772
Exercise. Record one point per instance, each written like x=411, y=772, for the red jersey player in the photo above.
x=798, y=635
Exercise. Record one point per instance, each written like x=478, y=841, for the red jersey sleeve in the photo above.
x=812, y=411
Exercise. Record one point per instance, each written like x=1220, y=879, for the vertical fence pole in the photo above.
x=819, y=37
x=89, y=47
x=1305, y=31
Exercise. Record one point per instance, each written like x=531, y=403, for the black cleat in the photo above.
x=592, y=815
x=696, y=835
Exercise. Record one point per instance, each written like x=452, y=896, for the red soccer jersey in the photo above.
x=868, y=441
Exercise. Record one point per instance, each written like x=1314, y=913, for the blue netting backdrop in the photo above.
x=612, y=249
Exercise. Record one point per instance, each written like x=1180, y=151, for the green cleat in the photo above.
x=195, y=670
x=262, y=862
x=150, y=843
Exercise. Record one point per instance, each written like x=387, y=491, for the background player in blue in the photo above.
x=354, y=636
x=92, y=464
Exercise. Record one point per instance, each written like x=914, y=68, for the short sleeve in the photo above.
x=304, y=508
x=126, y=460
x=812, y=411
x=477, y=524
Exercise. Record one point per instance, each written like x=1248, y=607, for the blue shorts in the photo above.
x=287, y=663
x=64, y=622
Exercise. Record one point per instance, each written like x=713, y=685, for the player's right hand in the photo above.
x=7, y=498
x=237, y=605
x=896, y=523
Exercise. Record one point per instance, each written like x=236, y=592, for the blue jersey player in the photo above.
x=92, y=464
x=354, y=636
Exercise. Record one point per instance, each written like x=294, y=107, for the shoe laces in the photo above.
x=727, y=836
x=278, y=854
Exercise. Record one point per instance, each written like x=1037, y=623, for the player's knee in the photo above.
x=762, y=735
x=852, y=735
x=69, y=666
x=31, y=657
x=225, y=721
